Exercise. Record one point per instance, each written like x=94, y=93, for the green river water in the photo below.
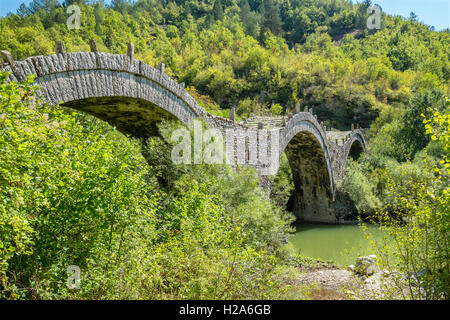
x=340, y=243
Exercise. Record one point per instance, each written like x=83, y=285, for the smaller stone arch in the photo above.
x=355, y=146
x=306, y=147
x=356, y=150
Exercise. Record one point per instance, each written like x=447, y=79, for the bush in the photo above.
x=70, y=185
x=361, y=190
x=76, y=192
x=416, y=251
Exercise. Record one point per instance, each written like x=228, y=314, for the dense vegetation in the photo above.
x=417, y=222
x=258, y=55
x=232, y=51
x=76, y=192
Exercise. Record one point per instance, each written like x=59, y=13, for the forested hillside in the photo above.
x=234, y=50
x=251, y=54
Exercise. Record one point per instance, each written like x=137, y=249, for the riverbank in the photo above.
x=329, y=282
x=324, y=280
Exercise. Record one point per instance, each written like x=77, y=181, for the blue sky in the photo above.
x=432, y=12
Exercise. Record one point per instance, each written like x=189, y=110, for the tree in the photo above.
x=418, y=239
x=122, y=6
x=46, y=5
x=271, y=18
x=249, y=19
x=412, y=134
x=276, y=109
x=218, y=10
x=245, y=10
x=413, y=17
x=23, y=11
x=361, y=17
x=77, y=2
x=98, y=17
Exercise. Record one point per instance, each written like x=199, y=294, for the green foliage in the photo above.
x=69, y=186
x=218, y=10
x=276, y=109
x=238, y=192
x=307, y=51
x=54, y=212
x=271, y=20
x=282, y=184
x=362, y=192
x=412, y=134
x=76, y=192
x=417, y=249
x=401, y=152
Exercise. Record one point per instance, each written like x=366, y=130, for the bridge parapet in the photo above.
x=94, y=67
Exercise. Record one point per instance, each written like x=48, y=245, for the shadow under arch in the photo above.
x=356, y=150
x=131, y=116
x=312, y=197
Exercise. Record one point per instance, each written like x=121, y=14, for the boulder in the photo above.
x=366, y=266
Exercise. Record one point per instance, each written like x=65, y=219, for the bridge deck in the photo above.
x=278, y=122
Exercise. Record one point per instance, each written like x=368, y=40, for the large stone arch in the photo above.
x=305, y=144
x=127, y=93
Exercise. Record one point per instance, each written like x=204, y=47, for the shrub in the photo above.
x=76, y=192
x=417, y=247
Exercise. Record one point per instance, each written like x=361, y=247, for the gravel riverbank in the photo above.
x=330, y=282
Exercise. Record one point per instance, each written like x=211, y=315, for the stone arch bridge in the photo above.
x=134, y=97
